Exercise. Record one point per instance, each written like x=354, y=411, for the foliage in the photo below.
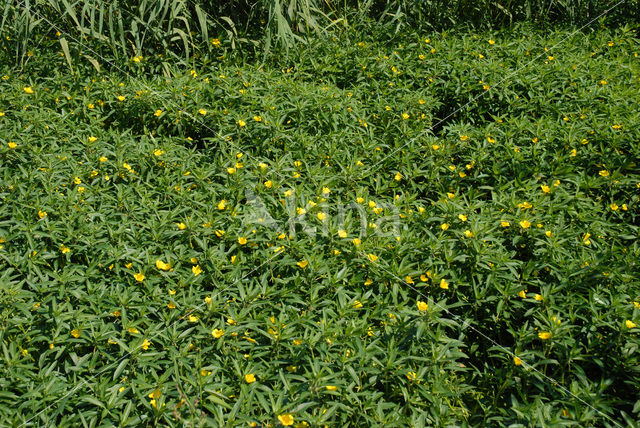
x=196, y=29
x=165, y=238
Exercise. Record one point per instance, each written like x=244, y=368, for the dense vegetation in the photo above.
x=425, y=227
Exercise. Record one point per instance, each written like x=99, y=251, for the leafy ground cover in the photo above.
x=438, y=229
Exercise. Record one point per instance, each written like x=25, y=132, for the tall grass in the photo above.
x=186, y=28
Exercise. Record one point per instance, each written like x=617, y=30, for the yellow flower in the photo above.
x=614, y=207
x=249, y=378
x=139, y=276
x=586, y=240
x=548, y=233
x=522, y=294
x=286, y=419
x=145, y=344
x=372, y=204
x=422, y=306
x=197, y=270
x=268, y=184
x=12, y=145
x=157, y=113
x=630, y=324
x=405, y=116
x=103, y=159
x=242, y=240
x=544, y=335
x=326, y=190
x=545, y=188
x=202, y=111
x=64, y=249
x=444, y=226
x=217, y=333
x=372, y=257
x=517, y=361
x=356, y=241
x=398, y=176
x=181, y=226
x=219, y=233
x=444, y=284
x=604, y=173
x=303, y=263
x=28, y=89
x=525, y=205
x=241, y=123
x=193, y=318
x=342, y=233
x=468, y=233
x=331, y=388
x=76, y=333
x=357, y=304
x=171, y=305
x=121, y=98
x=505, y=223
x=162, y=265
x=321, y=216
x=462, y=217
x=158, y=152
x=133, y=330
x=538, y=297
x=525, y=224
x=231, y=170
x=92, y=139
x=492, y=42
